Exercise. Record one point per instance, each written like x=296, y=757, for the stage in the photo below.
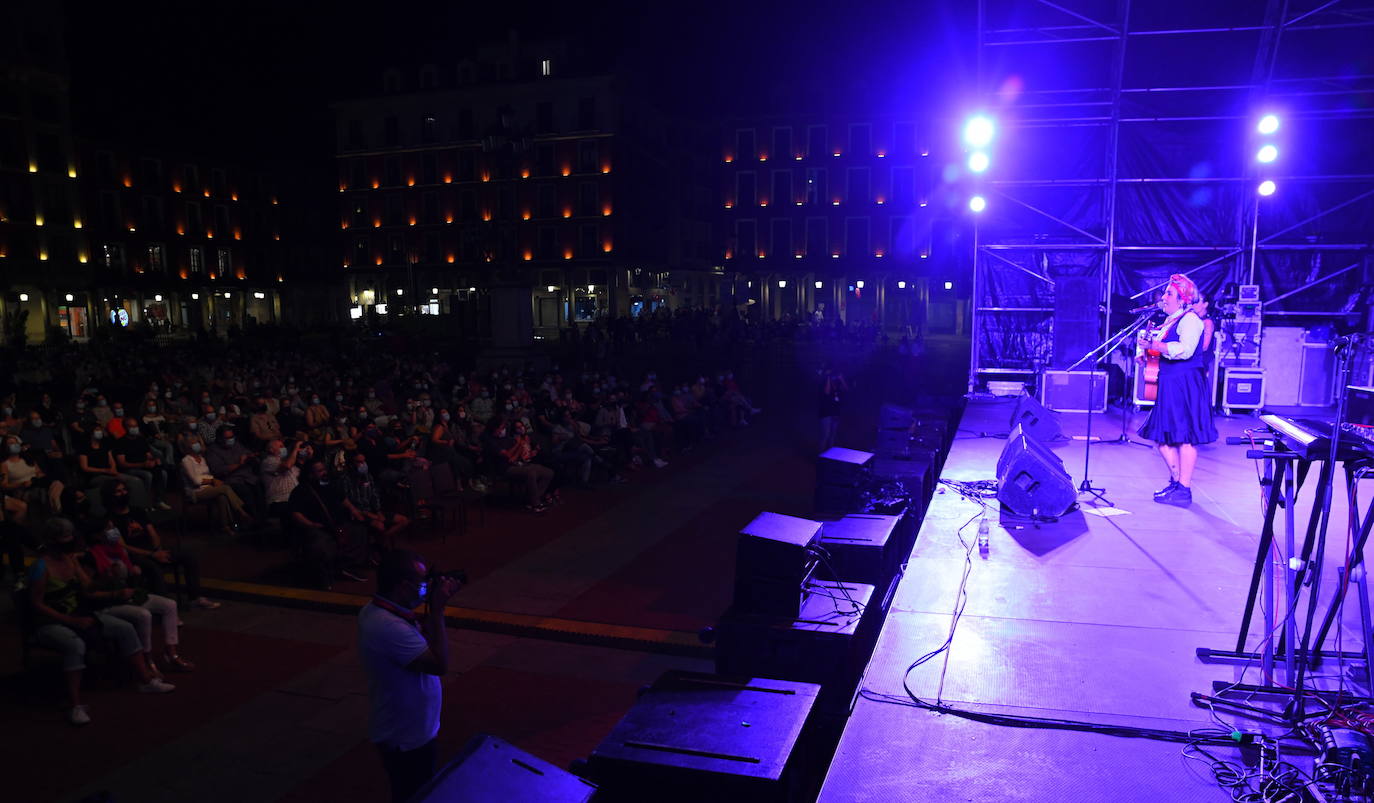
x=1091, y=618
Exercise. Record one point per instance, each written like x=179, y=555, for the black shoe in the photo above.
x=1181, y=496
x=1168, y=489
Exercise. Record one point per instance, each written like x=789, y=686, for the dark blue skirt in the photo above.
x=1182, y=411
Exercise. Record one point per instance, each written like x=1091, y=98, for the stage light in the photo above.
x=69, y=297
x=820, y=285
x=782, y=282
x=978, y=132
x=1267, y=153
x=157, y=297
x=901, y=285
x=1267, y=187
x=859, y=284
x=977, y=203
x=978, y=162
x=1268, y=124
x=23, y=296
x=949, y=285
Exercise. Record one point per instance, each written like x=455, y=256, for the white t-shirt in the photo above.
x=405, y=703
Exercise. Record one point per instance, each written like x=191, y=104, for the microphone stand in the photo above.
x=1096, y=355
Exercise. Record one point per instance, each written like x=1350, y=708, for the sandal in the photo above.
x=179, y=664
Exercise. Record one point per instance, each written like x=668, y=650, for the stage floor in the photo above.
x=1093, y=618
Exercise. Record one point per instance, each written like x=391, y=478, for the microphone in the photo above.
x=1144, y=308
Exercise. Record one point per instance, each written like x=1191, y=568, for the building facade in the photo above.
x=515, y=167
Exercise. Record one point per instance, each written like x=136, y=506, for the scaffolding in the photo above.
x=1125, y=152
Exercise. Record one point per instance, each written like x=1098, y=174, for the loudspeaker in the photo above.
x=1075, y=317
x=490, y=770
x=840, y=466
x=1019, y=442
x=772, y=563
x=1037, y=421
x=1031, y=481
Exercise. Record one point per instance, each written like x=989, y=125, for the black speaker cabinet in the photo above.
x=1031, y=480
x=1035, y=419
x=1019, y=442
x=694, y=737
x=841, y=466
x=772, y=563
x=489, y=770
x=862, y=547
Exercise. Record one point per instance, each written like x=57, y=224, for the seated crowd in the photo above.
x=330, y=452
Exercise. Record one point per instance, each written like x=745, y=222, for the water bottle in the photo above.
x=984, y=529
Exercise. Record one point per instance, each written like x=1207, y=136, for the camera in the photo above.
x=456, y=574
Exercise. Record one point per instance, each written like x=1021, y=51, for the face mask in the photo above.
x=372, y=394
x=338, y=397
x=443, y=416
x=80, y=405
x=425, y=403
x=152, y=408
x=195, y=425
x=195, y=447
x=98, y=434
x=15, y=448
x=112, y=535
x=510, y=407
x=100, y=403
x=8, y=411
x=322, y=482
x=228, y=441
x=35, y=423
x=133, y=430
x=117, y=411
x=362, y=469
x=211, y=416
x=281, y=452
x=463, y=414
x=315, y=400
x=486, y=395
x=167, y=395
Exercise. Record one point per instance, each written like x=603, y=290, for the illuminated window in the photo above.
x=545, y=67
x=745, y=146
x=197, y=259
x=157, y=257
x=222, y=260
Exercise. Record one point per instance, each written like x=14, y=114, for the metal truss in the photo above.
x=1043, y=30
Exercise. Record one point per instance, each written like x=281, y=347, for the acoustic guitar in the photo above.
x=1150, y=374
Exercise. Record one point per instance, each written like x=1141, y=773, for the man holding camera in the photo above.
x=404, y=654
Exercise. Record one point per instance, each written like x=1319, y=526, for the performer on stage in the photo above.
x=1182, y=415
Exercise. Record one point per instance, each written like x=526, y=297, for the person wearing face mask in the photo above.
x=264, y=424
x=62, y=597
x=482, y=407
x=404, y=655
x=9, y=423
x=281, y=474
x=95, y=461
x=317, y=415
x=442, y=448
x=363, y=500
x=510, y=454
x=116, y=571
x=133, y=456
x=202, y=486
x=144, y=545
x=156, y=431
x=234, y=464
x=210, y=422
x=188, y=434
x=115, y=426
x=332, y=543
x=101, y=410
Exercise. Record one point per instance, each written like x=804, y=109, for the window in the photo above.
x=193, y=221
x=429, y=129
x=359, y=217
x=467, y=165
x=904, y=141
x=543, y=113
x=157, y=258
x=467, y=205
x=105, y=164
x=391, y=81
x=391, y=168
x=546, y=243
x=548, y=201
x=903, y=185
x=586, y=114
x=430, y=205
x=359, y=180
x=856, y=236
x=192, y=179
x=50, y=153
x=429, y=77
x=355, y=134
x=394, y=208
x=392, y=135
x=544, y=159
x=112, y=255
x=816, y=190
x=816, y=146
x=217, y=181
x=746, y=238
x=45, y=107
x=469, y=244
x=152, y=212
x=466, y=128
x=858, y=184
x=586, y=240
x=197, y=259
x=429, y=168
x=782, y=237
x=12, y=146
x=586, y=199
x=222, y=261
x=432, y=247
x=782, y=143
x=902, y=236
x=744, y=143
x=782, y=188
x=150, y=171
x=860, y=139
x=744, y=189
x=545, y=67
x=817, y=236
x=587, y=153
x=109, y=209
x=222, y=219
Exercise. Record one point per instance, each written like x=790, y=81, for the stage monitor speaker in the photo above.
x=772, y=562
x=490, y=770
x=1019, y=442
x=1359, y=406
x=1074, y=391
x=1035, y=419
x=840, y=466
x=1031, y=481
x=892, y=416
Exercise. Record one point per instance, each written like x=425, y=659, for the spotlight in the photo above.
x=820, y=285
x=1267, y=153
x=949, y=285
x=977, y=203
x=1268, y=124
x=859, y=284
x=901, y=285
x=782, y=282
x=978, y=132
x=978, y=162
x=1267, y=187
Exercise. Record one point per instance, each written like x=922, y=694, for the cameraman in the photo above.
x=404, y=654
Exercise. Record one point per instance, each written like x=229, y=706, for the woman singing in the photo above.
x=1182, y=415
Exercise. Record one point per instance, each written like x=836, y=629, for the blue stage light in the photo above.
x=1267, y=154
x=978, y=131
x=977, y=162
x=978, y=203
x=1267, y=187
x=1268, y=124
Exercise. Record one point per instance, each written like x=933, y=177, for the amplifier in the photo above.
x=772, y=563
x=693, y=737
x=1074, y=391
x=840, y=466
x=1359, y=405
x=491, y=770
x=863, y=548
x=915, y=471
x=1242, y=388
